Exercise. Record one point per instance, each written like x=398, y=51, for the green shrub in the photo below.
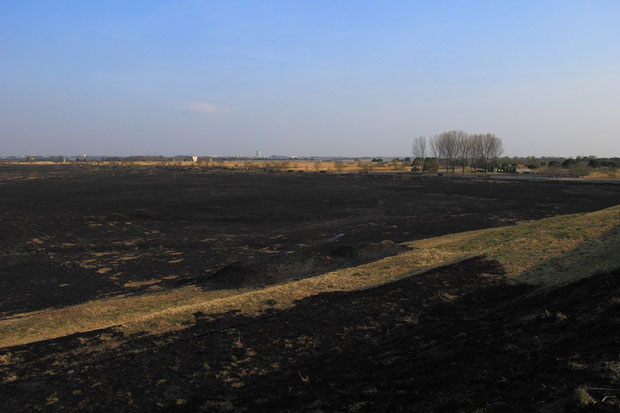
x=430, y=165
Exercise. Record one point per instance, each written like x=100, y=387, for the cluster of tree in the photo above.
x=591, y=162
x=395, y=160
x=457, y=149
x=533, y=162
x=581, y=166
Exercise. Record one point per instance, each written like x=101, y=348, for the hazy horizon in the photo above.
x=307, y=78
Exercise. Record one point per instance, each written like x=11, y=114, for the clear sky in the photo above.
x=306, y=77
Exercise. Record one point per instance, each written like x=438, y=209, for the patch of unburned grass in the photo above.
x=46, y=324
x=136, y=284
x=548, y=252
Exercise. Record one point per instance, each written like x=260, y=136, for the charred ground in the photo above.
x=73, y=235
x=457, y=338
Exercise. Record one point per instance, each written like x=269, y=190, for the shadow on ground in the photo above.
x=458, y=338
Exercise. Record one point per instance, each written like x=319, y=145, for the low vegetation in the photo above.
x=452, y=152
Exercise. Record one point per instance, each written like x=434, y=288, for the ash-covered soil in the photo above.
x=69, y=235
x=457, y=338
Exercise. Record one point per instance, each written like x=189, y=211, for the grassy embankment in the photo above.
x=547, y=253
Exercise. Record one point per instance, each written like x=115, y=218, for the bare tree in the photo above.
x=455, y=147
x=465, y=149
x=435, y=147
x=447, y=146
x=476, y=149
x=493, y=148
x=419, y=147
x=485, y=149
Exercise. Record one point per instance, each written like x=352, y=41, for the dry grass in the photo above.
x=297, y=165
x=305, y=165
x=548, y=252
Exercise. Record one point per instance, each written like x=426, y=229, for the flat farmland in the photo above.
x=71, y=235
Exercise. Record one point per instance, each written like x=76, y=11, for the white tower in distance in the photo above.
x=258, y=154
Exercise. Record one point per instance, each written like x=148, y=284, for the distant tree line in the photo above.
x=592, y=161
x=576, y=167
x=457, y=149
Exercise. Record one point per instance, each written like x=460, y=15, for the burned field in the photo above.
x=70, y=239
x=454, y=339
x=461, y=336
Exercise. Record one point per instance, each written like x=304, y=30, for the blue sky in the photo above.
x=306, y=77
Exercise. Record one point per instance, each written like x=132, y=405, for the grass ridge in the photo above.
x=548, y=252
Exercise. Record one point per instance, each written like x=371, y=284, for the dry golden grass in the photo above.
x=548, y=252
x=297, y=165
x=135, y=284
x=301, y=165
x=305, y=165
x=602, y=173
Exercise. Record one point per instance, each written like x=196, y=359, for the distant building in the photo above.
x=259, y=154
